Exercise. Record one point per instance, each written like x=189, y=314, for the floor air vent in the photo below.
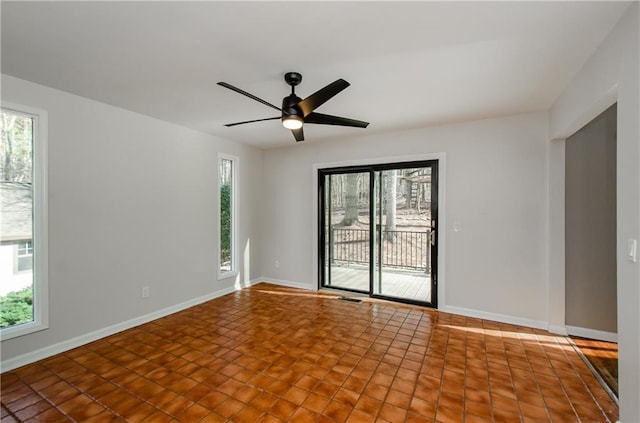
x=353, y=300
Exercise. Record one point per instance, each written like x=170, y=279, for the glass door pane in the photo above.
x=402, y=254
x=346, y=231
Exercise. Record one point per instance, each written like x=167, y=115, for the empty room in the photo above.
x=320, y=211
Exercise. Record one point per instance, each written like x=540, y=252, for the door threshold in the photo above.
x=375, y=298
x=343, y=291
x=405, y=301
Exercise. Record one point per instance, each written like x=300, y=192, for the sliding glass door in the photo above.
x=347, y=231
x=378, y=230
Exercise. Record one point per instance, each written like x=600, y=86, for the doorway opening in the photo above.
x=377, y=230
x=591, y=244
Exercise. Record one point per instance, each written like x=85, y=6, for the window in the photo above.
x=227, y=177
x=23, y=230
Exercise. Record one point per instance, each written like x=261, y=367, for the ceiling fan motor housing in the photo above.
x=289, y=106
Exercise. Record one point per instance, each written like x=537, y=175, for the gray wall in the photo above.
x=590, y=226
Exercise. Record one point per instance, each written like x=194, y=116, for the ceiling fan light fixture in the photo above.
x=292, y=122
x=295, y=112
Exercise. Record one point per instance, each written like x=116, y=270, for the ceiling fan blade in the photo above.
x=251, y=96
x=322, y=119
x=321, y=96
x=251, y=121
x=298, y=134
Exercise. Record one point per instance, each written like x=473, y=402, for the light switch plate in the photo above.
x=632, y=250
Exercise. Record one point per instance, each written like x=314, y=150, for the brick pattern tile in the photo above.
x=274, y=354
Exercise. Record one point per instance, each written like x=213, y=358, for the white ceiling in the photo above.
x=410, y=64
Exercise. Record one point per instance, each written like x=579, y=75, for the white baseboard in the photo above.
x=241, y=285
x=31, y=357
x=288, y=284
x=599, y=335
x=558, y=330
x=502, y=318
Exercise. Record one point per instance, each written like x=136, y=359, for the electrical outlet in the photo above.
x=145, y=292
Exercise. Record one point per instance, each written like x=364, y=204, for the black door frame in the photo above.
x=371, y=169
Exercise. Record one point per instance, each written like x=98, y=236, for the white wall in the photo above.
x=132, y=202
x=611, y=74
x=496, y=188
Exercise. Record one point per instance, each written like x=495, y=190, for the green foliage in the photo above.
x=225, y=221
x=16, y=307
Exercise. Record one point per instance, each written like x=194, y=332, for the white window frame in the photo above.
x=235, y=161
x=40, y=224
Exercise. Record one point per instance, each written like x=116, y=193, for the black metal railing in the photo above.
x=400, y=249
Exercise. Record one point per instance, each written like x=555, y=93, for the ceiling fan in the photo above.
x=296, y=111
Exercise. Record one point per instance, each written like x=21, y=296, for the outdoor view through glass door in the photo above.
x=377, y=230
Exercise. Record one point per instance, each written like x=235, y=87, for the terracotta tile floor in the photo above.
x=273, y=354
x=603, y=356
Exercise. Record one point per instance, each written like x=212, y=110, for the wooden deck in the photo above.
x=395, y=283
